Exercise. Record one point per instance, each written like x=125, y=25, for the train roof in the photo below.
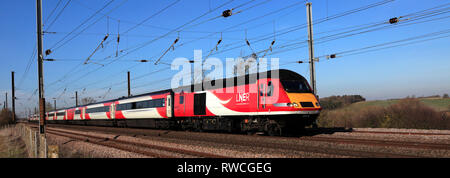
x=121, y=98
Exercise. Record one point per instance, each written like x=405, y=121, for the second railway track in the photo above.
x=146, y=149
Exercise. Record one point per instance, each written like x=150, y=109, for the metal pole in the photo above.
x=6, y=100
x=54, y=101
x=311, y=48
x=76, y=99
x=129, y=89
x=13, y=98
x=40, y=67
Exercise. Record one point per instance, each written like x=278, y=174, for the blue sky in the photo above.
x=419, y=69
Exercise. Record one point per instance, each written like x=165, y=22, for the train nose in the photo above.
x=303, y=100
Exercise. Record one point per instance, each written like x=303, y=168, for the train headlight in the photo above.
x=317, y=104
x=289, y=105
x=295, y=104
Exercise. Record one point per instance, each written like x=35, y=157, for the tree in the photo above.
x=6, y=117
x=445, y=95
x=49, y=107
x=87, y=100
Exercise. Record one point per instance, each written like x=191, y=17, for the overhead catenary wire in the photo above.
x=134, y=23
x=76, y=67
x=391, y=44
x=245, y=22
x=389, y=47
x=298, y=27
x=150, y=17
x=149, y=42
x=55, y=46
x=27, y=69
x=229, y=12
x=169, y=32
x=317, y=22
x=409, y=21
x=135, y=78
x=179, y=27
x=174, y=30
x=359, y=9
x=51, y=13
x=57, y=16
x=76, y=35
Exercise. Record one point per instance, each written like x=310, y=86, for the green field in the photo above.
x=439, y=104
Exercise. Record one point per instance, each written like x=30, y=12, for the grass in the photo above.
x=382, y=103
x=11, y=146
x=439, y=104
x=423, y=113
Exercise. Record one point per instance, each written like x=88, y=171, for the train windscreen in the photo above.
x=296, y=86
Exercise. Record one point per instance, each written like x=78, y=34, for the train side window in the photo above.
x=152, y=104
x=269, y=88
x=138, y=105
x=181, y=99
x=261, y=89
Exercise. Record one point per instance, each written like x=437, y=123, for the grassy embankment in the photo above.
x=11, y=145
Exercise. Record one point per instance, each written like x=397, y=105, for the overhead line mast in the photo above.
x=40, y=68
x=311, y=49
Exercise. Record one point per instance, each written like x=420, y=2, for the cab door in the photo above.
x=169, y=106
x=112, y=110
x=82, y=115
x=262, y=88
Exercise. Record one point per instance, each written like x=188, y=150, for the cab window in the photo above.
x=296, y=86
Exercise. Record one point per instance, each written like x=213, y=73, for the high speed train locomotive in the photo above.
x=262, y=102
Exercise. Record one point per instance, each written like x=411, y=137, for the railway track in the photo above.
x=374, y=142
x=268, y=142
x=401, y=133
x=131, y=146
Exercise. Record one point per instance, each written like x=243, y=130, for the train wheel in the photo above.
x=274, y=130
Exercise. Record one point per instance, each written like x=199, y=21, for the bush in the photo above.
x=445, y=96
x=411, y=113
x=407, y=113
x=6, y=117
x=335, y=102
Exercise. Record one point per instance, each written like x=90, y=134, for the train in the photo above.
x=273, y=102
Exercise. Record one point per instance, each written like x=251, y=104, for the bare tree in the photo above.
x=48, y=107
x=87, y=100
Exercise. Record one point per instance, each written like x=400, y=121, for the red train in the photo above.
x=260, y=102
